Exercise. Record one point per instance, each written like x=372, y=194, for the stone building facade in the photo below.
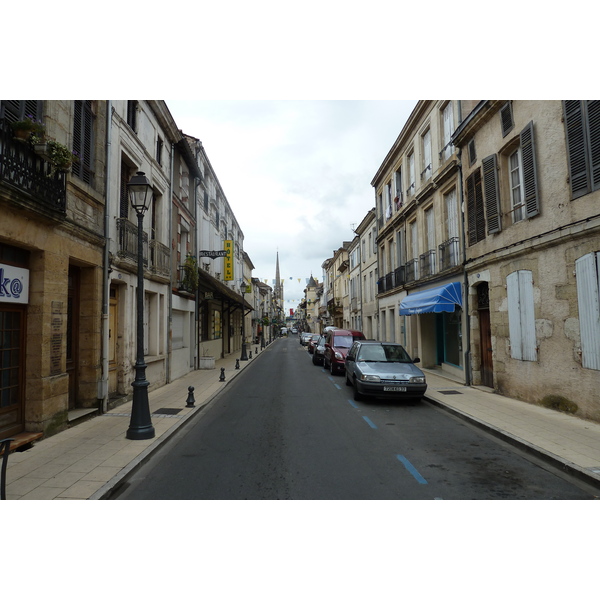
x=532, y=193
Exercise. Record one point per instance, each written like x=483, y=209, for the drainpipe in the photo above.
x=170, y=293
x=105, y=329
x=465, y=278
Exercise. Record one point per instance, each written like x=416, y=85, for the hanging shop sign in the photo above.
x=212, y=253
x=14, y=284
x=228, y=260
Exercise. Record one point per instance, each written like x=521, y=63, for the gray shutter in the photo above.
x=521, y=315
x=531, y=199
x=492, y=193
x=527, y=315
x=588, y=292
x=593, y=122
x=514, y=315
x=575, y=130
x=471, y=214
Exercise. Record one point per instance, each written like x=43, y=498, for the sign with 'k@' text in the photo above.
x=14, y=284
x=228, y=245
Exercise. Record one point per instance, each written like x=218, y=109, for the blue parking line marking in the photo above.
x=352, y=403
x=410, y=468
x=370, y=422
x=337, y=386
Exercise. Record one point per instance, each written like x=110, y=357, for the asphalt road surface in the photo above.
x=286, y=429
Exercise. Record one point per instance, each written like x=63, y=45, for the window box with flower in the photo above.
x=27, y=128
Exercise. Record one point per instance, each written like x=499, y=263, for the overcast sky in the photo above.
x=297, y=174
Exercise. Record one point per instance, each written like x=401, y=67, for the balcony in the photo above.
x=449, y=251
x=128, y=241
x=184, y=281
x=427, y=262
x=412, y=270
x=31, y=175
x=400, y=276
x=159, y=258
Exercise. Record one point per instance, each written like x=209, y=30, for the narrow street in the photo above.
x=286, y=429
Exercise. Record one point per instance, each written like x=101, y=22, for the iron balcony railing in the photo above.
x=449, y=252
x=427, y=263
x=412, y=270
x=128, y=241
x=400, y=276
x=159, y=258
x=31, y=174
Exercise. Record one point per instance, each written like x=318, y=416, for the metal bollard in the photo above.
x=222, y=376
x=250, y=354
x=256, y=350
x=237, y=363
x=190, y=399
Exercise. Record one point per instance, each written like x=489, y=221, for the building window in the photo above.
x=448, y=128
x=515, y=164
x=582, y=125
x=411, y=174
x=159, y=150
x=398, y=188
x=426, y=143
x=83, y=140
x=472, y=152
x=587, y=272
x=506, y=119
x=521, y=316
x=132, y=114
x=16, y=110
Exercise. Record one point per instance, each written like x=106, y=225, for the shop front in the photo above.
x=14, y=294
x=436, y=315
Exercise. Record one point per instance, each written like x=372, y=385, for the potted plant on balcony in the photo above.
x=59, y=156
x=27, y=127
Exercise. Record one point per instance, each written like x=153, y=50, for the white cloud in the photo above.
x=296, y=173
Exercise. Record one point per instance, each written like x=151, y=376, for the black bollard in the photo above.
x=250, y=354
x=190, y=399
x=222, y=376
x=237, y=363
x=256, y=350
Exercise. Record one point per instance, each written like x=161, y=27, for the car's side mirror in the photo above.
x=416, y=360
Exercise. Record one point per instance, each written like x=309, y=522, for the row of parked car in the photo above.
x=374, y=369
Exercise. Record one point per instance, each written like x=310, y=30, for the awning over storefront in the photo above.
x=436, y=300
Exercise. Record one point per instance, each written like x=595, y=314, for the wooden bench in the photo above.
x=8, y=445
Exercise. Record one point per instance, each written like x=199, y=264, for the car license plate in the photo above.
x=394, y=388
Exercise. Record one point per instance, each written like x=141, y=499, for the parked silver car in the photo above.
x=318, y=354
x=383, y=370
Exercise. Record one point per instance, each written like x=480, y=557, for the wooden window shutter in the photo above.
x=475, y=210
x=83, y=140
x=588, y=299
x=531, y=196
x=479, y=210
x=521, y=315
x=492, y=193
x=506, y=118
x=577, y=155
x=15, y=110
x=593, y=121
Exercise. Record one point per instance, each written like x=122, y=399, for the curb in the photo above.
x=548, y=457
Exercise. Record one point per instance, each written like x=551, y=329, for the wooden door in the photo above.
x=12, y=369
x=113, y=322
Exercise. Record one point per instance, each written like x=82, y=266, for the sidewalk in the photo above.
x=567, y=442
x=90, y=459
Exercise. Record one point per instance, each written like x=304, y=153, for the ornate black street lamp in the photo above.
x=140, y=426
x=245, y=289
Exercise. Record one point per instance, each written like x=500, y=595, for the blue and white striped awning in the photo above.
x=439, y=299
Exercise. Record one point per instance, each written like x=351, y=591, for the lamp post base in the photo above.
x=140, y=426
